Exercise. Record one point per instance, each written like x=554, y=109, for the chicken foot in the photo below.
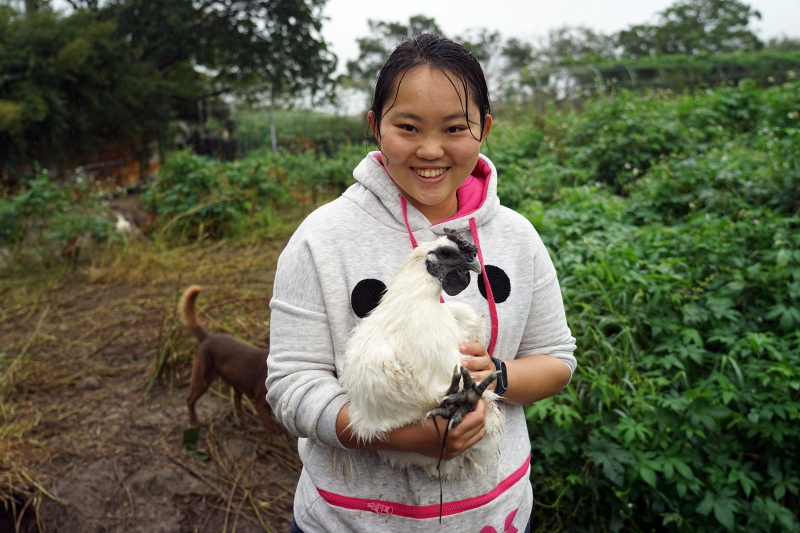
x=455, y=405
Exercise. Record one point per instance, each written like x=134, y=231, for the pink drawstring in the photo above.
x=489, y=295
x=408, y=228
x=404, y=206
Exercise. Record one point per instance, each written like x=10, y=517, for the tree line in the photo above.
x=686, y=28
x=118, y=72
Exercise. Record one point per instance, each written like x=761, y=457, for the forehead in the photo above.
x=430, y=94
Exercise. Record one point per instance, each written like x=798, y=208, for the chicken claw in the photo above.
x=455, y=405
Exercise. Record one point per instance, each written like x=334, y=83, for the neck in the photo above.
x=436, y=213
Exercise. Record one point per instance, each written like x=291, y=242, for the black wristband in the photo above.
x=502, y=379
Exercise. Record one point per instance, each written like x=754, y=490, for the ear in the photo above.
x=487, y=127
x=372, y=126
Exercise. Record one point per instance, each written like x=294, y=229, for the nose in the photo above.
x=430, y=148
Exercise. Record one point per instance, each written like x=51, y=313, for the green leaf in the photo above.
x=706, y=505
x=647, y=475
x=691, y=334
x=669, y=470
x=723, y=512
x=575, y=480
x=682, y=468
x=611, y=458
x=783, y=257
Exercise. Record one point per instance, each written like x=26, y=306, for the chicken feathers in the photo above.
x=399, y=361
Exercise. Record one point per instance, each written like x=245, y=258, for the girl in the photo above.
x=430, y=116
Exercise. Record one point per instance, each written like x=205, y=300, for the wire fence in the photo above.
x=576, y=83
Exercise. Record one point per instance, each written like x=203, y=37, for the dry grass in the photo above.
x=115, y=319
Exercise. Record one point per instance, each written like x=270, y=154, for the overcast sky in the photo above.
x=525, y=19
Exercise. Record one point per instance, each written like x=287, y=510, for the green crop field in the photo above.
x=674, y=224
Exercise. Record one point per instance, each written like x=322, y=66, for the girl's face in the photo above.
x=427, y=145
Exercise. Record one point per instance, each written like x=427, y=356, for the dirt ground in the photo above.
x=95, y=366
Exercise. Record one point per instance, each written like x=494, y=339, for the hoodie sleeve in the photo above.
x=546, y=331
x=302, y=386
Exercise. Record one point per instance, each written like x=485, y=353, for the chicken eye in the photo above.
x=447, y=253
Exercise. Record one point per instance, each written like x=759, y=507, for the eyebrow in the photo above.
x=413, y=116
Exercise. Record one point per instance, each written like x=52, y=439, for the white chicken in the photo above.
x=399, y=361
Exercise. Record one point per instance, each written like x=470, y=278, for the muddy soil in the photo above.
x=92, y=437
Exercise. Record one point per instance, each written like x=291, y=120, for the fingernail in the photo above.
x=465, y=362
x=462, y=348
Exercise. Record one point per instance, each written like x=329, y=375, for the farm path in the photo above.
x=95, y=367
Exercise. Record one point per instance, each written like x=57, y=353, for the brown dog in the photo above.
x=240, y=365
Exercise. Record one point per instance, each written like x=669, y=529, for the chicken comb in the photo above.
x=463, y=245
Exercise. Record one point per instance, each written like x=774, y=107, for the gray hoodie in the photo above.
x=329, y=276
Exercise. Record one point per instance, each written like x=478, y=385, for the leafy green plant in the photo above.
x=195, y=195
x=674, y=225
x=45, y=221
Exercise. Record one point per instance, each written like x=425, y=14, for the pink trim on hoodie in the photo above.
x=471, y=194
x=489, y=293
x=425, y=511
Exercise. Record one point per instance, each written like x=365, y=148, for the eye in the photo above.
x=455, y=129
x=446, y=253
x=407, y=127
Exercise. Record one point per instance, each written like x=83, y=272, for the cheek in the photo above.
x=393, y=147
x=465, y=152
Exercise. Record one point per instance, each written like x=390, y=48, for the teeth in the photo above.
x=430, y=173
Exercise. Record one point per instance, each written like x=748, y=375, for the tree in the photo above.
x=118, y=72
x=485, y=45
x=570, y=45
x=376, y=49
x=783, y=43
x=274, y=45
x=517, y=54
x=693, y=26
x=67, y=86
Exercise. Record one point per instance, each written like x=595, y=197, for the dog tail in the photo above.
x=189, y=314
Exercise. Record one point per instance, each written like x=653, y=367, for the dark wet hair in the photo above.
x=441, y=54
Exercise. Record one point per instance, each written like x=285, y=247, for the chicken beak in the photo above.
x=474, y=265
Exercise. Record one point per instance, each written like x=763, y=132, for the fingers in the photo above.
x=476, y=360
x=473, y=348
x=468, y=433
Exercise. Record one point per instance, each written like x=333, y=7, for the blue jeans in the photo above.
x=296, y=529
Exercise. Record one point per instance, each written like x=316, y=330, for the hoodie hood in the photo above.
x=378, y=195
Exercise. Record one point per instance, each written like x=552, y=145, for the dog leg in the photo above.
x=202, y=377
x=237, y=402
x=265, y=414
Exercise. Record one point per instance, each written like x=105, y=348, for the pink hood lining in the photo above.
x=471, y=194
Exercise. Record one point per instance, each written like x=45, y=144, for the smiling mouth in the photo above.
x=430, y=173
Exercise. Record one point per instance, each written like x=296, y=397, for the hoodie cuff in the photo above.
x=326, y=425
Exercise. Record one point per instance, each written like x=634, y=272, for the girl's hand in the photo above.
x=459, y=439
x=422, y=437
x=476, y=359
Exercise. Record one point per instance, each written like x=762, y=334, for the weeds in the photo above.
x=674, y=226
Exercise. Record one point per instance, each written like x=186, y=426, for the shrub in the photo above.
x=195, y=195
x=44, y=221
x=675, y=233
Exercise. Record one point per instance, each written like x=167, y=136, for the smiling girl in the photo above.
x=430, y=117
